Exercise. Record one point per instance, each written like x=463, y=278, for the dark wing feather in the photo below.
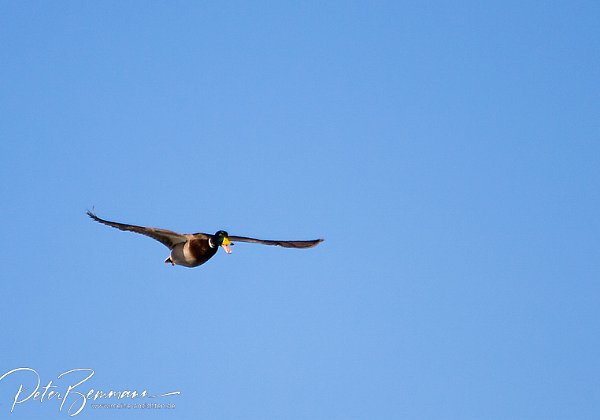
x=165, y=237
x=285, y=244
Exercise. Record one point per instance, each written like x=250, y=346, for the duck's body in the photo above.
x=194, y=249
x=194, y=252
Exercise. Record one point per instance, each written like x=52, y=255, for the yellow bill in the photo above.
x=225, y=245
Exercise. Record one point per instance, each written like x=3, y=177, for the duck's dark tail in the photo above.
x=169, y=261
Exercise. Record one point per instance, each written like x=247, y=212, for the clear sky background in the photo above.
x=448, y=152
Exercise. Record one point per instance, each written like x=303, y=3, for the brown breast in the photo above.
x=200, y=249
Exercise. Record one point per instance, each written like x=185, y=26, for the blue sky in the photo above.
x=448, y=153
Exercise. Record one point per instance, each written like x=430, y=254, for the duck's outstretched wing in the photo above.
x=285, y=244
x=165, y=237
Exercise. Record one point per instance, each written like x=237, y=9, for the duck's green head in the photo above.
x=221, y=238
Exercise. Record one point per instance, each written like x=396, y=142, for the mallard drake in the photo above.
x=194, y=249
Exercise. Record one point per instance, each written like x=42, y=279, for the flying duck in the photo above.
x=194, y=249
